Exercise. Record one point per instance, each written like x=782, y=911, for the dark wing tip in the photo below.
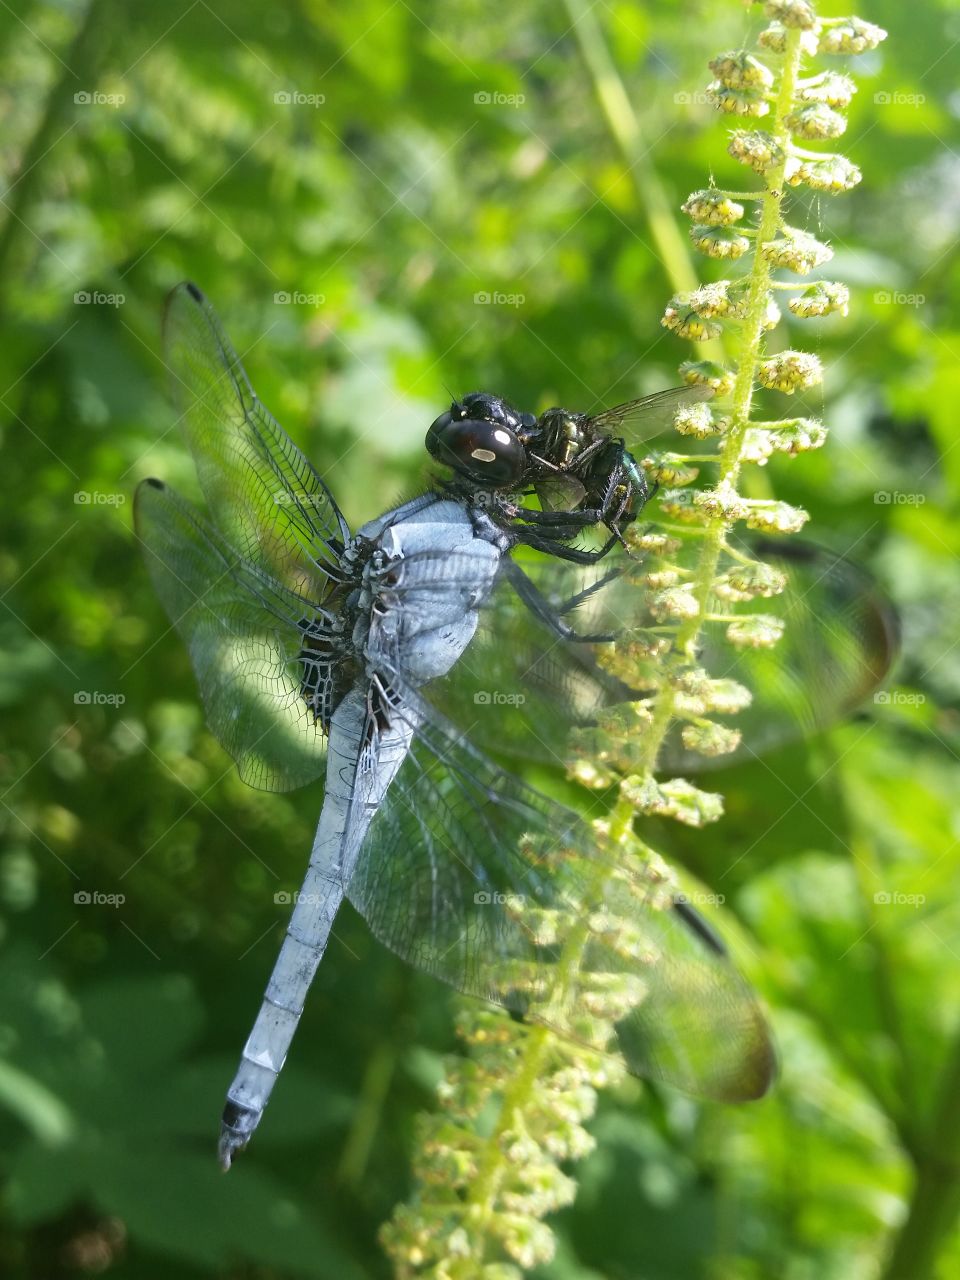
x=154, y=483
x=194, y=291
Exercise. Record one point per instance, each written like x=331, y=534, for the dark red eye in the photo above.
x=487, y=452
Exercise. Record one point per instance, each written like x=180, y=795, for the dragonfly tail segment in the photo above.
x=351, y=799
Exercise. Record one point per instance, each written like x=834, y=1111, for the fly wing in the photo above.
x=840, y=639
x=243, y=632
x=650, y=416
x=483, y=882
x=264, y=497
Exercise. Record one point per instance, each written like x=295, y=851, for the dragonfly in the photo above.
x=405, y=663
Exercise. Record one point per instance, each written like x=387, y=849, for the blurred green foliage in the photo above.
x=397, y=200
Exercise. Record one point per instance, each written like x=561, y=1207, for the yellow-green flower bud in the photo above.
x=723, y=502
x=755, y=579
x=771, y=516
x=761, y=151
x=798, y=14
x=790, y=371
x=738, y=102
x=685, y=322
x=680, y=504
x=661, y=544
x=853, y=35
x=719, y=242
x=834, y=89
x=712, y=208
x=707, y=373
x=710, y=738
x=758, y=631
x=696, y=420
x=774, y=38
x=771, y=314
x=797, y=250
x=757, y=447
x=673, y=603
x=670, y=468
x=741, y=70
x=832, y=174
x=676, y=798
x=816, y=121
x=798, y=435
x=821, y=299
x=711, y=300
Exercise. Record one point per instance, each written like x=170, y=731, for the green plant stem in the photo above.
x=481, y=1202
x=78, y=65
x=671, y=246
x=935, y=1202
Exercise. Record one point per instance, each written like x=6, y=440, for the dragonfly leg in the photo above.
x=541, y=608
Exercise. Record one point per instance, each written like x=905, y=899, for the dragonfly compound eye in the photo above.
x=488, y=453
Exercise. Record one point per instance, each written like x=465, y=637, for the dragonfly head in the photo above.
x=481, y=438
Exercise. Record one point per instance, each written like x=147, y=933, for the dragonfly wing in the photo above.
x=264, y=496
x=840, y=641
x=242, y=629
x=650, y=416
x=485, y=883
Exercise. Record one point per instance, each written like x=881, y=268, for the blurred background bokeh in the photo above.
x=389, y=202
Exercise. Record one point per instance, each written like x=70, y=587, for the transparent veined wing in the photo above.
x=264, y=497
x=485, y=883
x=839, y=641
x=639, y=420
x=244, y=632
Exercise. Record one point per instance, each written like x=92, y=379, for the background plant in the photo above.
x=399, y=200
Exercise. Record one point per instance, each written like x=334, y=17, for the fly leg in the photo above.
x=553, y=546
x=541, y=607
